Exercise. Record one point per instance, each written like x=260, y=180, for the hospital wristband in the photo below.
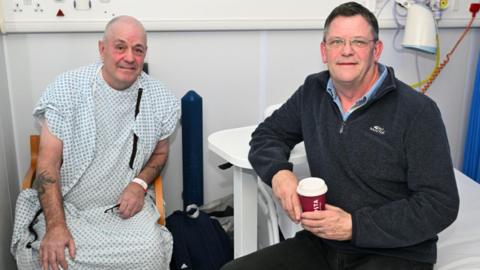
x=141, y=183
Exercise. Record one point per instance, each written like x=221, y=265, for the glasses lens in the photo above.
x=359, y=42
x=336, y=43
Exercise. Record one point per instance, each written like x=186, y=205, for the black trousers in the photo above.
x=305, y=252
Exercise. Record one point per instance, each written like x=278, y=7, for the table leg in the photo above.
x=245, y=213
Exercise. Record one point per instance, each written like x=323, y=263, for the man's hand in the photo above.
x=332, y=223
x=131, y=200
x=52, y=248
x=284, y=186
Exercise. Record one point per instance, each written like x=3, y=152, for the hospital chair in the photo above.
x=271, y=217
x=30, y=177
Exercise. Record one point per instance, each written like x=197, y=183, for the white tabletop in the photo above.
x=233, y=146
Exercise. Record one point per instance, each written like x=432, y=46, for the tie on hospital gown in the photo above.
x=96, y=124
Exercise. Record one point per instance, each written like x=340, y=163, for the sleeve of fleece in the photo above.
x=433, y=203
x=273, y=139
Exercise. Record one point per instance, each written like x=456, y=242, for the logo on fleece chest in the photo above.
x=377, y=129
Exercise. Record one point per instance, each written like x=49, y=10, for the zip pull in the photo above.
x=342, y=127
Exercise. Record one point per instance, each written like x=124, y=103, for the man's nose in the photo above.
x=129, y=57
x=347, y=48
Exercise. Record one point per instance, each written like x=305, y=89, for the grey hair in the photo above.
x=122, y=18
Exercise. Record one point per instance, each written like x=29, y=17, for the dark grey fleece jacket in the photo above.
x=388, y=164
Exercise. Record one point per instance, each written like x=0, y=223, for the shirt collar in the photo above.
x=383, y=74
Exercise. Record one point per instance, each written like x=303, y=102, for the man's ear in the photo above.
x=377, y=50
x=323, y=52
x=101, y=48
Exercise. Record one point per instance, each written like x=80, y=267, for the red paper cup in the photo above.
x=312, y=193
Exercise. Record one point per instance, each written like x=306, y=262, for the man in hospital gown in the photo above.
x=104, y=139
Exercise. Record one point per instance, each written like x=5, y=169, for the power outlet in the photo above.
x=37, y=7
x=17, y=6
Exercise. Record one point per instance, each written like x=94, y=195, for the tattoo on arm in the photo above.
x=155, y=165
x=156, y=170
x=43, y=179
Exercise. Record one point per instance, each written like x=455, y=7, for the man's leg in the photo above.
x=299, y=252
x=373, y=261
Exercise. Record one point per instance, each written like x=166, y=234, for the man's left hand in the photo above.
x=131, y=200
x=332, y=223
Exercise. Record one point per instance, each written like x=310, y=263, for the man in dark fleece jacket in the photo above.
x=380, y=146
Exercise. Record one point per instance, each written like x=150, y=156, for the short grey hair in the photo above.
x=123, y=18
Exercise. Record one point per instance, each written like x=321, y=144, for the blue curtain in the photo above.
x=471, y=156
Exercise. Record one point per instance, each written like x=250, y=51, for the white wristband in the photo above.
x=141, y=183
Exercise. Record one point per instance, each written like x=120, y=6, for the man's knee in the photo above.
x=253, y=261
x=161, y=241
x=241, y=263
x=229, y=266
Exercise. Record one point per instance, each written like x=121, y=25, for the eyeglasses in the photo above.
x=358, y=43
x=111, y=209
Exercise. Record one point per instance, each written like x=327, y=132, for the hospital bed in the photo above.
x=458, y=245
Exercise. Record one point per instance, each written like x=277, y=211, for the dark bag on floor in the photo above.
x=199, y=242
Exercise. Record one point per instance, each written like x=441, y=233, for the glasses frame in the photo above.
x=352, y=42
x=111, y=209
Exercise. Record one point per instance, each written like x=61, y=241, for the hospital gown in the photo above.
x=96, y=124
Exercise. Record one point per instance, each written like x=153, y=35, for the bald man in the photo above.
x=103, y=140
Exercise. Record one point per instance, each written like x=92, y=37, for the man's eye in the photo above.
x=336, y=42
x=359, y=43
x=120, y=48
x=139, y=51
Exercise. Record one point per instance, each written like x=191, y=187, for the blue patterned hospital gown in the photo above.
x=96, y=124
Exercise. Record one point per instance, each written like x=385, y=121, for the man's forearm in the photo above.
x=50, y=197
x=153, y=168
x=155, y=163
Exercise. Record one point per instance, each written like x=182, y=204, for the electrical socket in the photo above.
x=17, y=6
x=37, y=6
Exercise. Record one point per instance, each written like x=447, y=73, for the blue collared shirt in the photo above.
x=361, y=101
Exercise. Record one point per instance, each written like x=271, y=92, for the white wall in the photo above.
x=237, y=73
x=164, y=15
x=8, y=170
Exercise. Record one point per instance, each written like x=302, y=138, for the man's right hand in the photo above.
x=284, y=186
x=52, y=248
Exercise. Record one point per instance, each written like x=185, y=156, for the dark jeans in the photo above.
x=305, y=252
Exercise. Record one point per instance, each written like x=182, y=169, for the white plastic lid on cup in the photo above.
x=311, y=186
